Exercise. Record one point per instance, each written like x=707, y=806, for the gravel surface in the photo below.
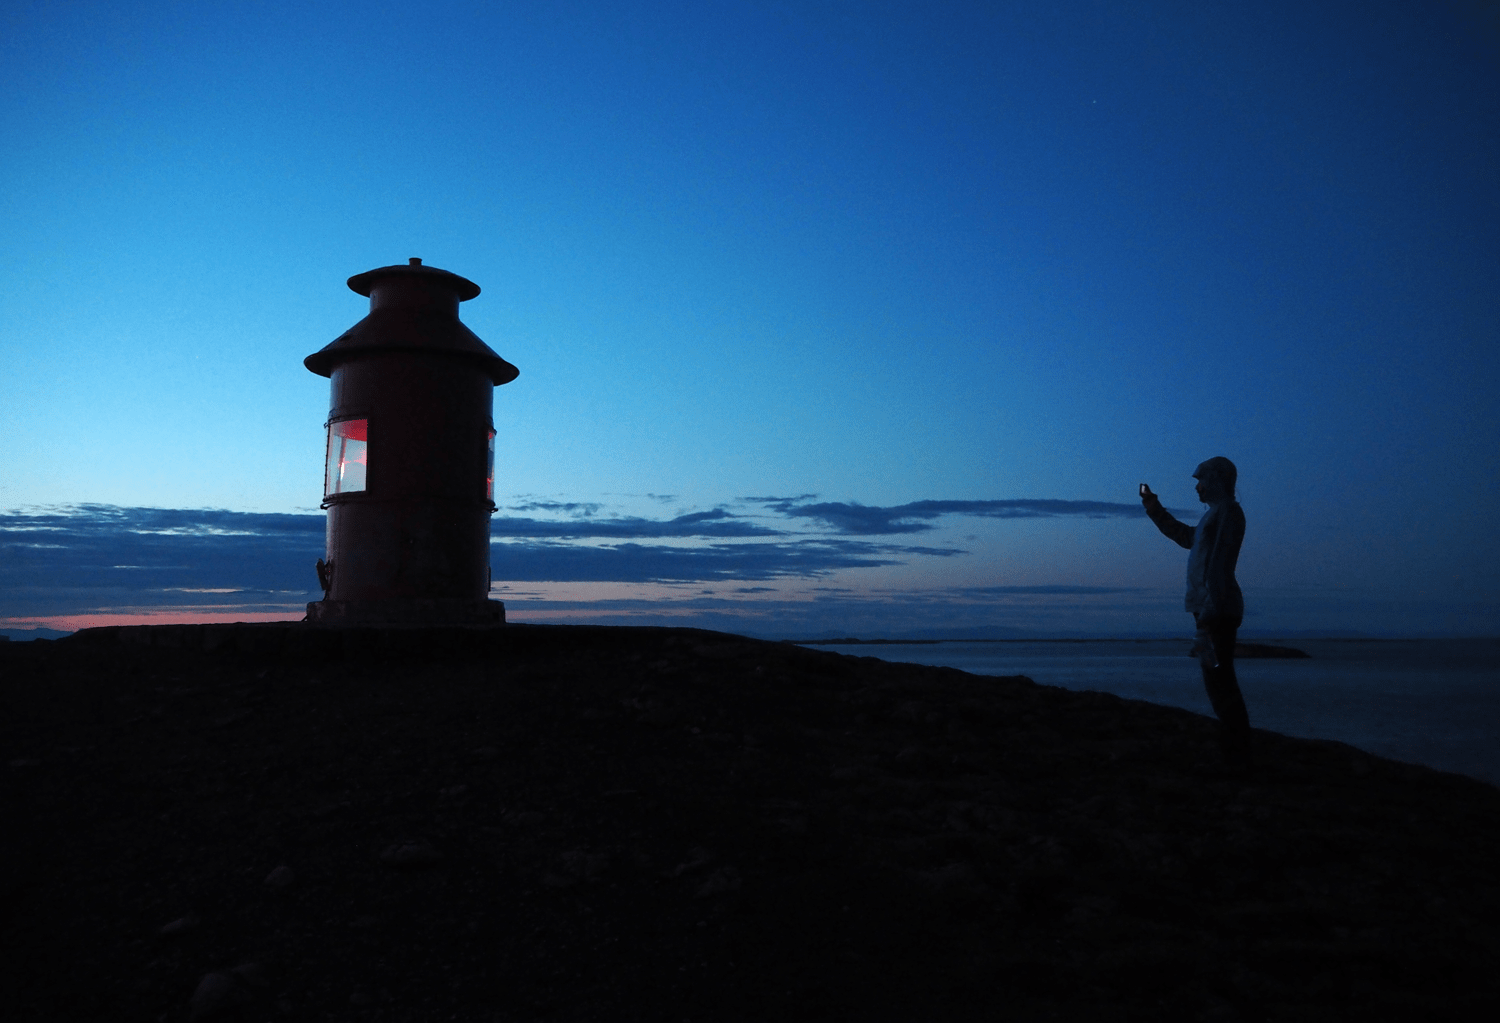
x=582, y=823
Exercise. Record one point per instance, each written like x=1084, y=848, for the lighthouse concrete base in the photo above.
x=407, y=611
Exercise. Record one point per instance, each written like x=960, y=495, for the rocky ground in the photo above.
x=662, y=824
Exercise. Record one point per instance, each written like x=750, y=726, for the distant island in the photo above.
x=851, y=641
x=1266, y=650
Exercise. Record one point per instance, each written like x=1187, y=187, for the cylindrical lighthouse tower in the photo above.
x=409, y=479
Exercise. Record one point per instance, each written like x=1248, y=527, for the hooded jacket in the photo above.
x=1214, y=548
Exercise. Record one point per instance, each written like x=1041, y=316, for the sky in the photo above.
x=831, y=318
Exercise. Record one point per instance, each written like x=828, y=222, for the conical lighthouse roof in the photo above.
x=413, y=308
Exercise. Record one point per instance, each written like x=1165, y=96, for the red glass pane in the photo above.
x=347, y=455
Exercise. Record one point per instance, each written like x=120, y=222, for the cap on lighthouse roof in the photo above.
x=412, y=269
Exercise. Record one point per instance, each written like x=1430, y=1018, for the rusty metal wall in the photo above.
x=421, y=526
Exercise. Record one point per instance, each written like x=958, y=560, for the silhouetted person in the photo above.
x=1213, y=596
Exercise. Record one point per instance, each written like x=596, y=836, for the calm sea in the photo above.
x=1424, y=701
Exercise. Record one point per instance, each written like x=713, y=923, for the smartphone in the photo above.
x=1145, y=490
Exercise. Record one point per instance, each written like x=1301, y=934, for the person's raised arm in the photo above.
x=1178, y=532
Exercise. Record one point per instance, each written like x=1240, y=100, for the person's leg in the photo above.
x=1224, y=693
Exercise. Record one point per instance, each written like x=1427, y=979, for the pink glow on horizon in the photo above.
x=72, y=623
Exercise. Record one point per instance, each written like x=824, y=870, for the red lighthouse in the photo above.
x=409, y=479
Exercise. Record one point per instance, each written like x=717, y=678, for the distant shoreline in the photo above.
x=852, y=641
x=1246, y=649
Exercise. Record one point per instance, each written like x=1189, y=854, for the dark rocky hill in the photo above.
x=540, y=823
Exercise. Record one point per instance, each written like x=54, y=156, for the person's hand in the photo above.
x=1147, y=497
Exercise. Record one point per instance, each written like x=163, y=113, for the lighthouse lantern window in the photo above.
x=347, y=449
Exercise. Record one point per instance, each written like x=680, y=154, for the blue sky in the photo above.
x=848, y=255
